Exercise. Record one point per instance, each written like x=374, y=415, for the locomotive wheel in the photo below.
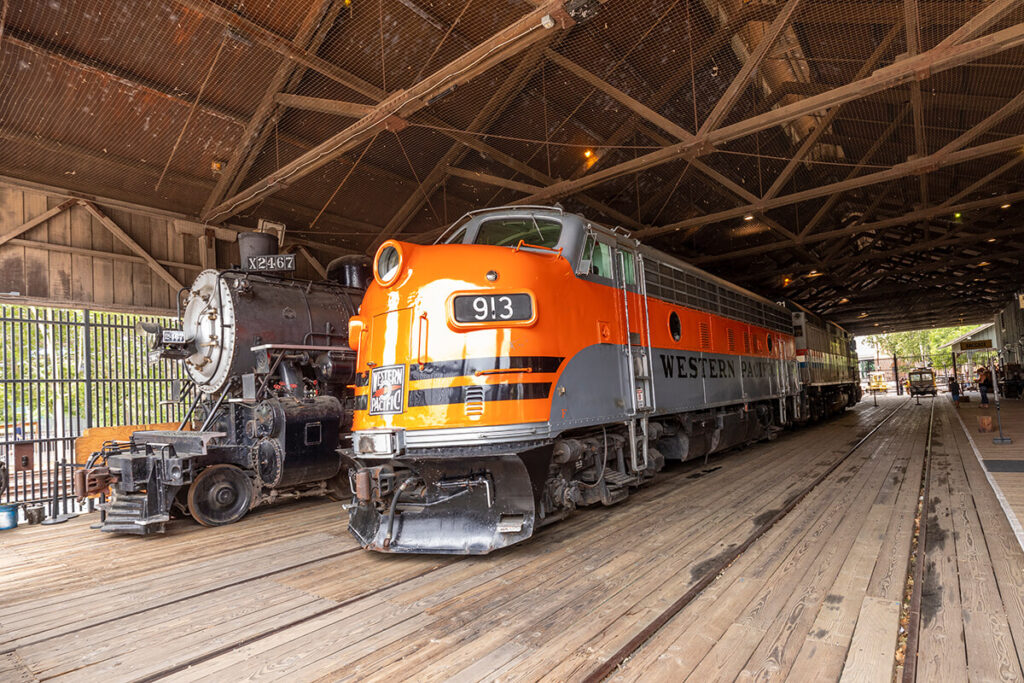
x=220, y=495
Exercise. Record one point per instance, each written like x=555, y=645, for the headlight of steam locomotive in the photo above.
x=388, y=263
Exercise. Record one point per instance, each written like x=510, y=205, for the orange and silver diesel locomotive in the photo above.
x=533, y=361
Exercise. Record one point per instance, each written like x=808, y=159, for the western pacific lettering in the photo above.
x=692, y=367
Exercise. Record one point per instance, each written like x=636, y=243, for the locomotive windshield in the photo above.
x=510, y=231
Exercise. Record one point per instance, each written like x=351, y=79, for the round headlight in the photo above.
x=388, y=263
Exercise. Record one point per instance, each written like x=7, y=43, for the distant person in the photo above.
x=984, y=385
x=954, y=389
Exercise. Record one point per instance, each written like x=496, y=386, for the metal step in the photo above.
x=126, y=514
x=614, y=478
x=125, y=528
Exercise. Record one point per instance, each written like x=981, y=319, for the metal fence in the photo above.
x=61, y=372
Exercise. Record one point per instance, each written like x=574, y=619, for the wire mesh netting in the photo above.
x=674, y=118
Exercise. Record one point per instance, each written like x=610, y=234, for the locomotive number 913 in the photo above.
x=492, y=307
x=533, y=361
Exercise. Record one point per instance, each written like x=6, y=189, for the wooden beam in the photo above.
x=512, y=83
x=127, y=240
x=920, y=214
x=478, y=177
x=660, y=121
x=702, y=53
x=739, y=83
x=875, y=146
x=983, y=181
x=142, y=209
x=192, y=183
x=826, y=122
x=312, y=260
x=310, y=34
x=932, y=61
x=910, y=14
x=33, y=222
x=95, y=253
x=982, y=20
x=957, y=239
x=282, y=46
x=509, y=41
x=630, y=103
x=926, y=165
x=982, y=127
x=323, y=105
x=132, y=82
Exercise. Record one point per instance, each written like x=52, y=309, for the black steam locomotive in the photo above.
x=271, y=372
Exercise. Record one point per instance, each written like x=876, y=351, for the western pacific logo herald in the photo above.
x=387, y=390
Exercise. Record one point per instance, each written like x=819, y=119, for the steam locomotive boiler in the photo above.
x=270, y=371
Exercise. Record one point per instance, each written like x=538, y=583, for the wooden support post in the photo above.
x=207, y=249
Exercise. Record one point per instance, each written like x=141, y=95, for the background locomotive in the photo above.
x=534, y=361
x=271, y=371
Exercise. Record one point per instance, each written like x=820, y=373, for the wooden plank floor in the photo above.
x=1004, y=462
x=287, y=594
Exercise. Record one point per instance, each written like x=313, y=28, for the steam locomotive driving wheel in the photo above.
x=221, y=494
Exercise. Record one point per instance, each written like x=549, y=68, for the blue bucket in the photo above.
x=8, y=516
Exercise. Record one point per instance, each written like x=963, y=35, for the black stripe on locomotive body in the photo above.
x=487, y=393
x=473, y=366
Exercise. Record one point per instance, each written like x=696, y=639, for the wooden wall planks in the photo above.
x=72, y=259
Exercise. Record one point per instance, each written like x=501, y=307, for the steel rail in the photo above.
x=603, y=670
x=914, y=615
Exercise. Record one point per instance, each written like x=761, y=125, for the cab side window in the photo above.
x=601, y=265
x=596, y=259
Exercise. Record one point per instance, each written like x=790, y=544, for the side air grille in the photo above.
x=732, y=339
x=705, y=335
x=474, y=403
x=746, y=341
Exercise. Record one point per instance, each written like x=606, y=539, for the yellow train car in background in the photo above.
x=876, y=382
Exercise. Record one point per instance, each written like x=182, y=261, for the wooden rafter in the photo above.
x=911, y=20
x=323, y=105
x=826, y=121
x=821, y=213
x=312, y=260
x=920, y=214
x=932, y=61
x=927, y=164
x=958, y=239
x=702, y=53
x=282, y=46
x=490, y=110
x=739, y=83
x=309, y=36
x=509, y=41
x=991, y=13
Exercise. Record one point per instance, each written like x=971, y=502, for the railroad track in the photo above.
x=609, y=665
